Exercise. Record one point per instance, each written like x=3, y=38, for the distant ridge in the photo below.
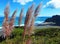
x=55, y=19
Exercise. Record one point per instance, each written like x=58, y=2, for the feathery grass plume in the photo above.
x=11, y=23
x=27, y=19
x=37, y=10
x=6, y=11
x=20, y=17
x=31, y=27
x=30, y=14
x=6, y=31
x=30, y=31
x=32, y=23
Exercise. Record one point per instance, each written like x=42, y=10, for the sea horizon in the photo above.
x=38, y=20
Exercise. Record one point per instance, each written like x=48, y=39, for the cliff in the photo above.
x=55, y=19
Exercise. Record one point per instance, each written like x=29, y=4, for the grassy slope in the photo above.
x=41, y=36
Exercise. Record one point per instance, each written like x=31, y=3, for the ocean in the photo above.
x=38, y=20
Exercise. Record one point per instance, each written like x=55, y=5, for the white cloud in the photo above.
x=22, y=2
x=55, y=3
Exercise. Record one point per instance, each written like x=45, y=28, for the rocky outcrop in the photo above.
x=55, y=19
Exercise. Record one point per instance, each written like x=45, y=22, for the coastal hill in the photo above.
x=55, y=19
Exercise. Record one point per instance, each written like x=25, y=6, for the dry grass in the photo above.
x=5, y=23
x=28, y=24
x=37, y=10
x=30, y=31
x=31, y=27
x=6, y=12
x=20, y=17
x=27, y=19
x=8, y=26
x=11, y=23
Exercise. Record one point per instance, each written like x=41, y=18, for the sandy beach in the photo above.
x=39, y=27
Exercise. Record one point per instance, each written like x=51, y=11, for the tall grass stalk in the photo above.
x=31, y=27
x=37, y=10
x=6, y=31
x=8, y=26
x=20, y=17
x=11, y=23
x=27, y=19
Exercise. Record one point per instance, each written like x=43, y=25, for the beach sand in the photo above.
x=40, y=27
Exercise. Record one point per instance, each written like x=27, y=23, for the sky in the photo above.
x=48, y=9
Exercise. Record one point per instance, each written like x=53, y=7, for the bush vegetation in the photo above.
x=40, y=36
